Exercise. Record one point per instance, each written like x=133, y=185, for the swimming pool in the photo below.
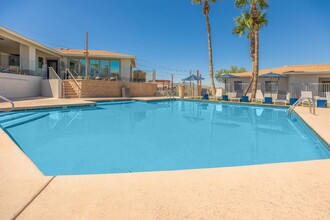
x=136, y=136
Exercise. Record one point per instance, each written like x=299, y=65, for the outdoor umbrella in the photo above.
x=271, y=76
x=193, y=78
x=226, y=76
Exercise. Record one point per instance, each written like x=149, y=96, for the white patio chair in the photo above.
x=218, y=94
x=259, y=97
x=232, y=96
x=306, y=94
x=327, y=95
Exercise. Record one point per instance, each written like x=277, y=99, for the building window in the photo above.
x=115, y=68
x=271, y=86
x=104, y=67
x=94, y=67
x=40, y=62
x=82, y=66
x=13, y=60
x=237, y=86
x=73, y=66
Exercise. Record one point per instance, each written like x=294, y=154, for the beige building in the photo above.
x=19, y=54
x=293, y=80
x=29, y=68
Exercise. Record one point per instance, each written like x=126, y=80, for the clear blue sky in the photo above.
x=170, y=35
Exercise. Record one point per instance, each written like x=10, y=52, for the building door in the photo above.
x=53, y=64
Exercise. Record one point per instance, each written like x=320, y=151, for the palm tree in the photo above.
x=233, y=69
x=206, y=10
x=244, y=25
x=252, y=21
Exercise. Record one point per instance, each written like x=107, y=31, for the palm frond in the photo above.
x=243, y=24
x=262, y=20
x=241, y=3
x=202, y=1
x=196, y=1
x=263, y=4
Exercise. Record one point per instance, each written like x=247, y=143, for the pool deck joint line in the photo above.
x=42, y=189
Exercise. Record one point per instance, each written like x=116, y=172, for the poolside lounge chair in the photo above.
x=327, y=95
x=259, y=97
x=283, y=98
x=306, y=94
x=218, y=94
x=233, y=97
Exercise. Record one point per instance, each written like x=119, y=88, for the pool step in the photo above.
x=23, y=120
x=15, y=116
x=115, y=102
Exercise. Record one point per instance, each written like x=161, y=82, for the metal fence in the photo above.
x=317, y=89
x=272, y=89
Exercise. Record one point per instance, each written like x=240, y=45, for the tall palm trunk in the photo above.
x=252, y=54
x=254, y=14
x=247, y=88
x=206, y=10
x=256, y=64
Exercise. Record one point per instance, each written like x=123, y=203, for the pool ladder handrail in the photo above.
x=311, y=103
x=7, y=100
x=169, y=94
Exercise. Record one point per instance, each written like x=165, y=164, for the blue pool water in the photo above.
x=153, y=136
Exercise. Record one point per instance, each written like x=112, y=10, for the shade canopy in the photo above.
x=192, y=78
x=227, y=76
x=272, y=75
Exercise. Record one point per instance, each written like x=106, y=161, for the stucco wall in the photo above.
x=283, y=82
x=19, y=86
x=4, y=60
x=96, y=88
x=313, y=78
x=125, y=68
x=51, y=88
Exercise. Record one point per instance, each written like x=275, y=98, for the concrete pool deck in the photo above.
x=42, y=102
x=297, y=190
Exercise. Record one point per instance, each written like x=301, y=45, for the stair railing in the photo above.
x=168, y=94
x=54, y=75
x=74, y=79
x=7, y=100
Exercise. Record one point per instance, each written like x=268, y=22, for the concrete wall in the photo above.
x=98, y=88
x=19, y=86
x=313, y=78
x=51, y=88
x=4, y=60
x=125, y=69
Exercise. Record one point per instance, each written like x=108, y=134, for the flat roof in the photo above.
x=66, y=52
x=287, y=70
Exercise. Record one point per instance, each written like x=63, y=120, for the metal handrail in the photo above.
x=168, y=93
x=75, y=72
x=76, y=82
x=311, y=103
x=7, y=100
x=59, y=78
